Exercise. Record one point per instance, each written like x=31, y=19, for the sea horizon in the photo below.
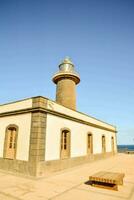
x=125, y=147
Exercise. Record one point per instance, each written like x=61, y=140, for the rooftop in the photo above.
x=23, y=104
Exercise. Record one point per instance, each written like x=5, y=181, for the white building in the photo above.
x=38, y=135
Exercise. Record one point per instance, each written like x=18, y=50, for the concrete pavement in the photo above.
x=70, y=183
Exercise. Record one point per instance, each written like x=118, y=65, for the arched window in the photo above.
x=10, y=144
x=103, y=144
x=89, y=143
x=112, y=144
x=65, y=143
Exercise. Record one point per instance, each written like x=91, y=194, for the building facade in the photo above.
x=39, y=136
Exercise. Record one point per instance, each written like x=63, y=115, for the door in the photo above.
x=11, y=143
x=65, y=144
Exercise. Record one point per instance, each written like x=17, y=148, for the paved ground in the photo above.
x=70, y=184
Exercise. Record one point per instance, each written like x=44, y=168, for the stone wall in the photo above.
x=37, y=136
x=66, y=93
x=61, y=164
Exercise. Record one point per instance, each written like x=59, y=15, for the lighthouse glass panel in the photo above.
x=66, y=67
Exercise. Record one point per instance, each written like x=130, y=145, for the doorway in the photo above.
x=65, y=144
x=10, y=142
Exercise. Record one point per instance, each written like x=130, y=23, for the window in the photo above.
x=10, y=142
x=65, y=143
x=103, y=144
x=112, y=144
x=89, y=143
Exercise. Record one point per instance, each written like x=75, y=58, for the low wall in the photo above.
x=33, y=169
x=57, y=165
x=18, y=167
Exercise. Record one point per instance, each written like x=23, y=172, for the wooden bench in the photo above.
x=108, y=180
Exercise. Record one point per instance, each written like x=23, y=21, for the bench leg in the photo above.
x=105, y=185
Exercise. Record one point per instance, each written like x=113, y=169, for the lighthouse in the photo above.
x=66, y=80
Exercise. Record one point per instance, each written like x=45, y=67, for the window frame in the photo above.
x=91, y=142
x=68, y=142
x=13, y=126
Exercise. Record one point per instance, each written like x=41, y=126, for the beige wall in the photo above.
x=78, y=137
x=23, y=121
x=16, y=106
x=54, y=125
x=56, y=107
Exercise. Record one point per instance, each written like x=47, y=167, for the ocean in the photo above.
x=125, y=147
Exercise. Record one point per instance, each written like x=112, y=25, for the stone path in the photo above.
x=70, y=184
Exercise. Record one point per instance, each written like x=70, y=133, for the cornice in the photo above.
x=52, y=112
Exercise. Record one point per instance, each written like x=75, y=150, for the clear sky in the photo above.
x=98, y=35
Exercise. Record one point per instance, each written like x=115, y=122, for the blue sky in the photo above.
x=35, y=35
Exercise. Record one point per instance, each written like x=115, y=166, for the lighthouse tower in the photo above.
x=66, y=80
